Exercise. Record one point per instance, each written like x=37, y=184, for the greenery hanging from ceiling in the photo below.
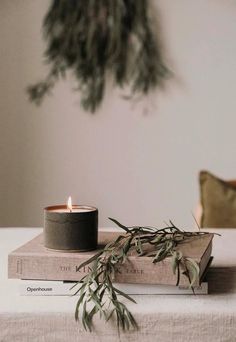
x=97, y=38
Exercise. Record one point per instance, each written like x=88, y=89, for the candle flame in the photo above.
x=69, y=203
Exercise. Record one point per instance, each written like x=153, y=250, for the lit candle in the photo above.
x=70, y=227
x=69, y=203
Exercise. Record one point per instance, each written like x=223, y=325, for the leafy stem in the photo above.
x=94, y=40
x=97, y=293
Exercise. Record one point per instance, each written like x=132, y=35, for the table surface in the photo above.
x=216, y=309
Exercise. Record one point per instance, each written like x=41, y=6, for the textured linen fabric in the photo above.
x=161, y=327
x=162, y=318
x=218, y=200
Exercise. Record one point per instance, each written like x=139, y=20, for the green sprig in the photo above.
x=97, y=292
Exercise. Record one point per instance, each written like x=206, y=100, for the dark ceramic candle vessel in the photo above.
x=71, y=231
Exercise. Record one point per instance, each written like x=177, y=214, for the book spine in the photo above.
x=54, y=288
x=135, y=270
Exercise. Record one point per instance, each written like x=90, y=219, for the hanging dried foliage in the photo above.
x=94, y=38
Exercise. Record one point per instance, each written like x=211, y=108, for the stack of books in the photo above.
x=47, y=272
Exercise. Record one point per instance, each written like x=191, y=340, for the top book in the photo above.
x=34, y=261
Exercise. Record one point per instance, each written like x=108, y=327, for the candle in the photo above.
x=70, y=227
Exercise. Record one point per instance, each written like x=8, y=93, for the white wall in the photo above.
x=136, y=162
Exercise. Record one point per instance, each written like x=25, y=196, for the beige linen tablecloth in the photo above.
x=162, y=318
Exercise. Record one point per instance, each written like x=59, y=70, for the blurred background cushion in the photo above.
x=218, y=201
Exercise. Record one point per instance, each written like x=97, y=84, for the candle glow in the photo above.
x=69, y=204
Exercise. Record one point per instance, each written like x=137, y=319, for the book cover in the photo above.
x=65, y=288
x=34, y=261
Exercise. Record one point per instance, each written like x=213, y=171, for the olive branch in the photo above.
x=98, y=295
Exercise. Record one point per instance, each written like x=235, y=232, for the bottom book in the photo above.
x=64, y=288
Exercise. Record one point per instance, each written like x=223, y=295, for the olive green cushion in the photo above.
x=218, y=199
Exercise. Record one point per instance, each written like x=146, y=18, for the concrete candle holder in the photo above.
x=71, y=230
